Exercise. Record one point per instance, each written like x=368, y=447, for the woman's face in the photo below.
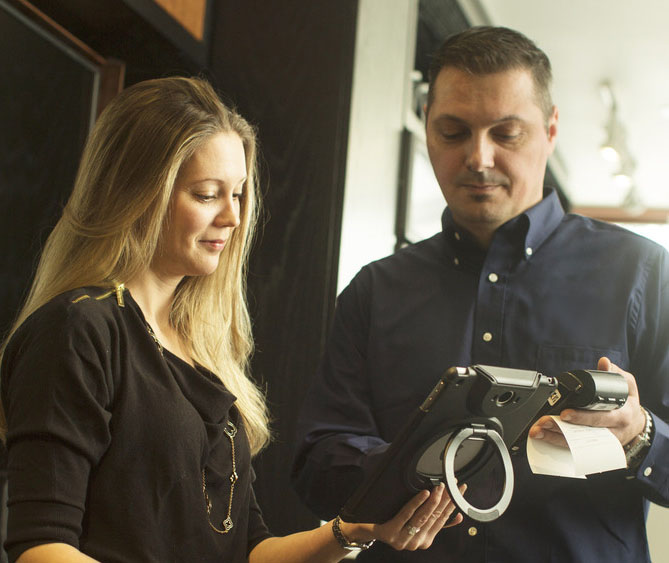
x=204, y=209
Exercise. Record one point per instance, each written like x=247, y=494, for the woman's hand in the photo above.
x=415, y=525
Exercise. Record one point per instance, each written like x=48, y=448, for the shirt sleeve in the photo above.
x=257, y=530
x=56, y=392
x=650, y=367
x=337, y=433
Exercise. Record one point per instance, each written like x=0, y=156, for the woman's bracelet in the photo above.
x=344, y=542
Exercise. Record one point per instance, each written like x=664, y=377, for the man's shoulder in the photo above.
x=409, y=266
x=429, y=253
x=587, y=229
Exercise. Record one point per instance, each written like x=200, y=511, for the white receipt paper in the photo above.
x=591, y=450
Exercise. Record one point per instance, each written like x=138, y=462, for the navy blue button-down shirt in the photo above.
x=552, y=292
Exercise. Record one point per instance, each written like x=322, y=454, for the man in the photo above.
x=510, y=281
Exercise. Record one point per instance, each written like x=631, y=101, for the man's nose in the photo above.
x=480, y=153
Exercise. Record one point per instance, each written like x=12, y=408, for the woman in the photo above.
x=131, y=421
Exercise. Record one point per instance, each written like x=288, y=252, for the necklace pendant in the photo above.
x=230, y=430
x=227, y=524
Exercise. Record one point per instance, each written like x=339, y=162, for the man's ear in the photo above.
x=551, y=126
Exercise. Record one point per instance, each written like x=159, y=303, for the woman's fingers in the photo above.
x=427, y=510
x=439, y=518
x=419, y=521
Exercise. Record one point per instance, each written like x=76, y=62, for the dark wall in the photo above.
x=288, y=67
x=45, y=117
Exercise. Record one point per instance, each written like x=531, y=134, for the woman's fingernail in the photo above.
x=539, y=435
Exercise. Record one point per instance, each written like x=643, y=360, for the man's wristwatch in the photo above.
x=344, y=542
x=636, y=450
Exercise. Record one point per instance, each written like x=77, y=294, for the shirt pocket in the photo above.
x=553, y=359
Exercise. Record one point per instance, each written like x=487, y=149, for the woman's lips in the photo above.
x=215, y=244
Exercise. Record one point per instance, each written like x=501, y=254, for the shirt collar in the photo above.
x=538, y=222
x=544, y=218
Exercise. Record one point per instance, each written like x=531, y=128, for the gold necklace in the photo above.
x=155, y=338
x=230, y=432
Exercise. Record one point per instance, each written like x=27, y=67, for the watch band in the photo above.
x=636, y=450
x=343, y=541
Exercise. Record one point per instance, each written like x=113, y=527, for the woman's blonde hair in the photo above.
x=112, y=222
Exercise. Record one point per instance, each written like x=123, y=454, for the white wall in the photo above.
x=384, y=57
x=658, y=540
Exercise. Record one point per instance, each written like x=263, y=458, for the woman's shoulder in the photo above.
x=82, y=312
x=75, y=335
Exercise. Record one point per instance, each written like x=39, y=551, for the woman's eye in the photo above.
x=205, y=197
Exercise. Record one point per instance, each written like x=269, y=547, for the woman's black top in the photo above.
x=108, y=438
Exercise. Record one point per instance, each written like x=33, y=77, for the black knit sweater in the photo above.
x=108, y=437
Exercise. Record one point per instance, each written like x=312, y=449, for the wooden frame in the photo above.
x=111, y=71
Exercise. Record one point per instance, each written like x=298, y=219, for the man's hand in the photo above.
x=626, y=422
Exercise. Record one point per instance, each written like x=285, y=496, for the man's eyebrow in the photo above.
x=447, y=117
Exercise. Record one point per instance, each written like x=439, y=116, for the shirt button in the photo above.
x=456, y=261
x=487, y=336
x=457, y=236
x=647, y=471
x=492, y=278
x=528, y=251
x=472, y=531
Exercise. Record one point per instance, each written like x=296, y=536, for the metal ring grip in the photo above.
x=480, y=514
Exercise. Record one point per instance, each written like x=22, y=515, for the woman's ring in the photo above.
x=412, y=530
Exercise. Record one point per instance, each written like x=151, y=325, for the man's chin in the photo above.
x=488, y=217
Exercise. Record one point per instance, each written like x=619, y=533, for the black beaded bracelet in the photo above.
x=344, y=542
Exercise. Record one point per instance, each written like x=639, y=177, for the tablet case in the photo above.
x=476, y=401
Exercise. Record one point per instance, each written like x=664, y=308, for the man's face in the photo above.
x=488, y=142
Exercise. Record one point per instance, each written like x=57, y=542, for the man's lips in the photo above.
x=482, y=187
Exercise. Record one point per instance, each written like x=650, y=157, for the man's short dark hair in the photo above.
x=487, y=50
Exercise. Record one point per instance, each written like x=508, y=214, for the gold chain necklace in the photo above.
x=155, y=338
x=230, y=432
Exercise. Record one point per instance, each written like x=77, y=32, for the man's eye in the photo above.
x=507, y=135
x=453, y=135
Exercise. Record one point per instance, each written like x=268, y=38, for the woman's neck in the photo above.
x=155, y=296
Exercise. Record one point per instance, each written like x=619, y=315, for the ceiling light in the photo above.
x=613, y=147
x=615, y=150
x=633, y=203
x=622, y=178
x=622, y=181
x=609, y=153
